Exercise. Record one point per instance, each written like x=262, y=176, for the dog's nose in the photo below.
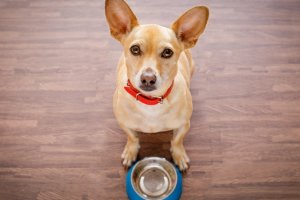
x=148, y=78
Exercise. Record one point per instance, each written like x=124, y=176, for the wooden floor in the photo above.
x=60, y=141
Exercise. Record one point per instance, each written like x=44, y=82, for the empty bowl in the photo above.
x=154, y=178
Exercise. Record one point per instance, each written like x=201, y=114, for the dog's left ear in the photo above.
x=120, y=18
x=190, y=25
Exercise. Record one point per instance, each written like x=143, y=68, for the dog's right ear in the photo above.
x=120, y=18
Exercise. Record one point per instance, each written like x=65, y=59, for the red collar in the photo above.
x=146, y=99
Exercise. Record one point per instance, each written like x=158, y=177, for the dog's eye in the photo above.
x=167, y=53
x=135, y=50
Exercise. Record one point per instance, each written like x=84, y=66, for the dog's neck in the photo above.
x=148, y=100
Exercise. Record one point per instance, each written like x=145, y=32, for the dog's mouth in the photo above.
x=148, y=88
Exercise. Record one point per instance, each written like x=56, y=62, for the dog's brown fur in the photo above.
x=176, y=110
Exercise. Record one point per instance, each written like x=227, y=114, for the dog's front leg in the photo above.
x=132, y=147
x=177, y=149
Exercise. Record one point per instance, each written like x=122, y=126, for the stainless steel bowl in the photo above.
x=154, y=178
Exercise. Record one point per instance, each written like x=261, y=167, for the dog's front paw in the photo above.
x=180, y=157
x=130, y=153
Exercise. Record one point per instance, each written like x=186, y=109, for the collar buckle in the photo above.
x=161, y=100
x=137, y=96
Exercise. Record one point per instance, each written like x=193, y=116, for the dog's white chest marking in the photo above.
x=156, y=118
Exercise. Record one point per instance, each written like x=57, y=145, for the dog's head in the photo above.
x=152, y=51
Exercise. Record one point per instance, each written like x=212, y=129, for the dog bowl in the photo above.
x=154, y=178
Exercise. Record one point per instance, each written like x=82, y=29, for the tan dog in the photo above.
x=153, y=76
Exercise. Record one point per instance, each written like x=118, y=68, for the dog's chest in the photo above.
x=151, y=119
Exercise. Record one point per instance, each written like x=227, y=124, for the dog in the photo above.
x=153, y=76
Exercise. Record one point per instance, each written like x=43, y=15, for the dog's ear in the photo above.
x=190, y=25
x=120, y=18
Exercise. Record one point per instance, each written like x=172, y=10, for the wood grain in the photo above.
x=59, y=139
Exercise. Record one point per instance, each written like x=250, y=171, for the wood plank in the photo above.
x=60, y=140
